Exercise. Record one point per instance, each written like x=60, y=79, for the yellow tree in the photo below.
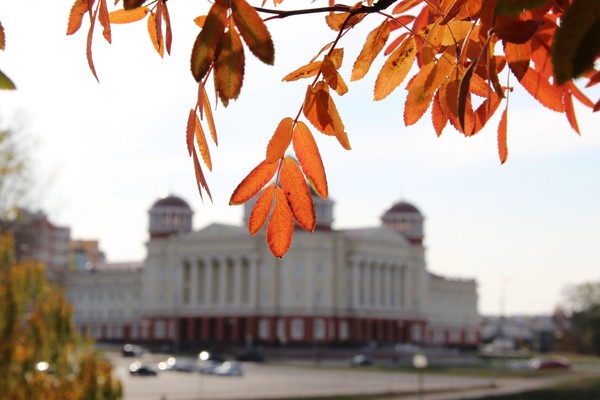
x=41, y=355
x=460, y=60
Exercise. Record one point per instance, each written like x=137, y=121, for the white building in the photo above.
x=220, y=285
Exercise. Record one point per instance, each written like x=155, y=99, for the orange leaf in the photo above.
x=156, y=42
x=261, y=210
x=229, y=67
x=202, y=144
x=570, y=111
x=485, y=111
x=335, y=21
x=332, y=77
x=253, y=30
x=515, y=31
x=209, y=115
x=88, y=47
x=305, y=71
x=438, y=116
x=79, y=8
x=518, y=56
x=280, y=140
x=2, y=37
x=200, y=20
x=372, y=47
x=547, y=94
x=208, y=40
x=104, y=20
x=281, y=225
x=457, y=31
x=419, y=95
x=405, y=5
x=320, y=110
x=168, y=32
x=190, y=130
x=200, y=180
x=298, y=195
x=395, y=69
x=253, y=182
x=123, y=16
x=502, y=147
x=309, y=157
x=395, y=43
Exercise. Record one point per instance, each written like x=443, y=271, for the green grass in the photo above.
x=584, y=389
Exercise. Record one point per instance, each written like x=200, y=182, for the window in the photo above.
x=159, y=329
x=297, y=328
x=263, y=328
x=319, y=329
x=343, y=330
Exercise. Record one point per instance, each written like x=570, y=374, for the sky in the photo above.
x=104, y=152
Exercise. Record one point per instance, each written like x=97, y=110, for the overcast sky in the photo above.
x=106, y=151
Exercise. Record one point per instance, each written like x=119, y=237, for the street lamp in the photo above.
x=420, y=363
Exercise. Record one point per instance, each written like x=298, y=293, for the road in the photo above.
x=265, y=381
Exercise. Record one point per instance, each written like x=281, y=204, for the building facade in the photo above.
x=335, y=287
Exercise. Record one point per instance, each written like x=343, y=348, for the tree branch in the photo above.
x=377, y=7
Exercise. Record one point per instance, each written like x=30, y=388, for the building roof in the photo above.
x=403, y=206
x=171, y=201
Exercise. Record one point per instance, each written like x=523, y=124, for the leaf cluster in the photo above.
x=465, y=53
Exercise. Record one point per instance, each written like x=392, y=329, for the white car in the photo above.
x=228, y=368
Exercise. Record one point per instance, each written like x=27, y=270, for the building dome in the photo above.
x=168, y=216
x=406, y=219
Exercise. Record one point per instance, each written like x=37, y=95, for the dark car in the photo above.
x=255, y=355
x=551, y=363
x=361, y=360
x=140, y=369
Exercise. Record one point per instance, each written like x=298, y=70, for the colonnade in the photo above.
x=228, y=281
x=380, y=284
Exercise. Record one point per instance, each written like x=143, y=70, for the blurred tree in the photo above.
x=583, y=305
x=14, y=172
x=41, y=354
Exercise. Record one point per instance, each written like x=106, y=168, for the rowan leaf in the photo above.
x=200, y=179
x=168, y=31
x=514, y=30
x=596, y=106
x=305, y=71
x=79, y=8
x=210, y=120
x=395, y=69
x=253, y=30
x=229, y=67
x=202, y=143
x=280, y=140
x=547, y=94
x=332, y=76
x=6, y=83
x=458, y=31
x=88, y=47
x=253, y=182
x=316, y=108
x=2, y=37
x=123, y=16
x=419, y=95
x=281, y=225
x=463, y=93
x=154, y=38
x=485, y=111
x=517, y=57
x=130, y=4
x=335, y=21
x=373, y=45
x=310, y=160
x=570, y=111
x=576, y=45
x=405, y=5
x=438, y=116
x=208, y=40
x=261, y=210
x=190, y=131
x=502, y=145
x=297, y=193
x=104, y=21
x=395, y=43
x=509, y=7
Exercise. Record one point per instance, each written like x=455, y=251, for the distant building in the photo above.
x=220, y=285
x=532, y=332
x=37, y=238
x=85, y=254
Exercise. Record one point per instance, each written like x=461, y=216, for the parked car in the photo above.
x=256, y=355
x=228, y=368
x=551, y=363
x=139, y=369
x=361, y=360
x=130, y=350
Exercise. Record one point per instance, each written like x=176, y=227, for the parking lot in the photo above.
x=267, y=381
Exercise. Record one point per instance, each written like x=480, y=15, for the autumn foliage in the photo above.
x=458, y=60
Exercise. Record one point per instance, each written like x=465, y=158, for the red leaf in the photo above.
x=209, y=40
x=570, y=111
x=200, y=180
x=515, y=31
x=547, y=94
x=253, y=182
x=502, y=147
x=281, y=225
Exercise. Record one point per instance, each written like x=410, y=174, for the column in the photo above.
x=208, y=271
x=252, y=290
x=355, y=279
x=407, y=286
x=193, y=283
x=376, y=285
x=387, y=289
x=222, y=267
x=237, y=281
